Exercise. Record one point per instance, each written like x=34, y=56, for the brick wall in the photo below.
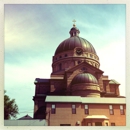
x=64, y=114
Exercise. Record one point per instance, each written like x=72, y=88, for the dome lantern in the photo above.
x=72, y=51
x=74, y=31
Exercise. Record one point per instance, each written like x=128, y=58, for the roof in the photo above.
x=84, y=64
x=26, y=117
x=90, y=100
x=84, y=78
x=112, y=81
x=60, y=77
x=96, y=117
x=104, y=100
x=38, y=80
x=63, y=99
x=75, y=41
x=25, y=122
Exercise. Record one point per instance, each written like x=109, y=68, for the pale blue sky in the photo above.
x=33, y=32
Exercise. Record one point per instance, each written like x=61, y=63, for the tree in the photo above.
x=10, y=108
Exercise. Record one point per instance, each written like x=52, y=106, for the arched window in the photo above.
x=91, y=55
x=79, y=62
x=96, y=65
x=60, y=66
x=66, y=55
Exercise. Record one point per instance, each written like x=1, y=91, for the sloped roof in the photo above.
x=104, y=100
x=75, y=41
x=38, y=80
x=78, y=99
x=113, y=81
x=84, y=78
x=26, y=117
x=63, y=99
x=25, y=123
x=84, y=63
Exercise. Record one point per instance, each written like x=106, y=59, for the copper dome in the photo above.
x=75, y=41
x=84, y=78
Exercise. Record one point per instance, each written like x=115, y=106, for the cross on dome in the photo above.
x=74, y=31
x=74, y=22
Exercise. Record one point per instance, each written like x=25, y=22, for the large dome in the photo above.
x=84, y=78
x=75, y=41
x=74, y=51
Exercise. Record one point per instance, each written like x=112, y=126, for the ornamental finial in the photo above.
x=74, y=23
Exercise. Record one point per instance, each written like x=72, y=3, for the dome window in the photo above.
x=84, y=68
x=79, y=62
x=91, y=55
x=96, y=65
x=60, y=56
x=60, y=66
x=66, y=55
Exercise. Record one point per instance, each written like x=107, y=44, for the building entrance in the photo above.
x=65, y=125
x=98, y=123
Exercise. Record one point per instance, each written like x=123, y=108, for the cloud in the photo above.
x=112, y=60
x=33, y=32
x=19, y=82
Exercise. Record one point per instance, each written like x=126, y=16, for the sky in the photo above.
x=33, y=32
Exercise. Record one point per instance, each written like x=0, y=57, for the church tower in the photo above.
x=75, y=72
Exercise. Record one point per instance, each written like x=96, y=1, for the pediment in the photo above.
x=84, y=67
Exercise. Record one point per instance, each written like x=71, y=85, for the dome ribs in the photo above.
x=80, y=42
x=83, y=44
x=57, y=50
x=91, y=78
x=87, y=45
x=75, y=41
x=84, y=78
x=88, y=48
x=73, y=44
x=92, y=48
x=66, y=45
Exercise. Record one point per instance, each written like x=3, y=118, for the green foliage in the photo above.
x=10, y=108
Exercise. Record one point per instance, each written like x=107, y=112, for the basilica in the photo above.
x=77, y=93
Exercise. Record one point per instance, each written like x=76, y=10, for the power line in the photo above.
x=25, y=112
